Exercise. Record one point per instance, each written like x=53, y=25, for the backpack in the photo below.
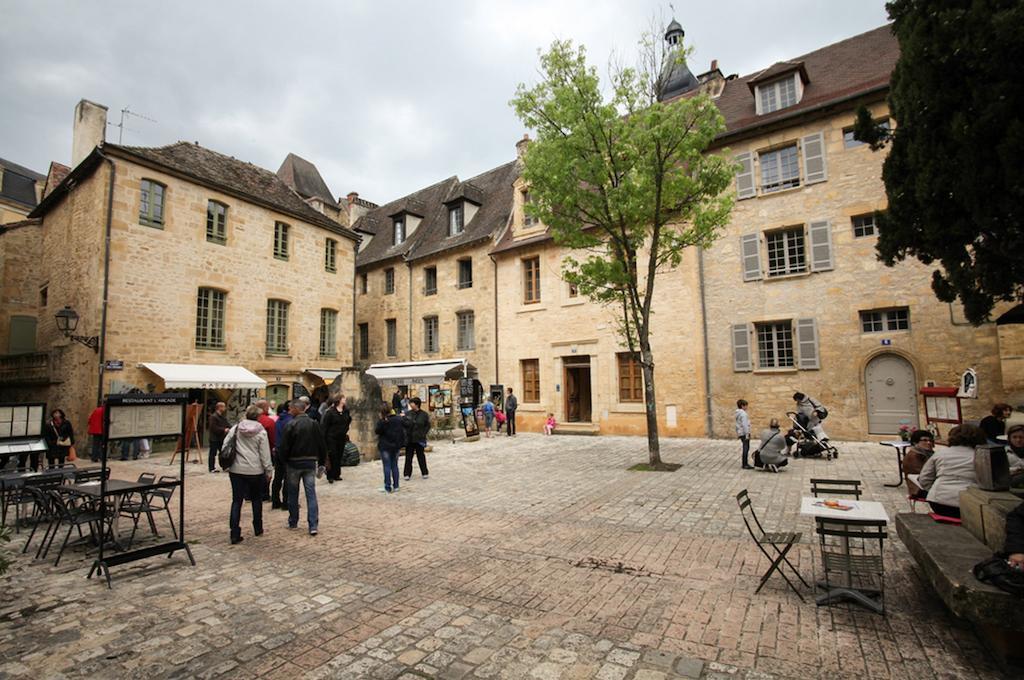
x=996, y=571
x=350, y=456
x=226, y=456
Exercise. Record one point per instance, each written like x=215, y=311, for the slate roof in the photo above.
x=18, y=183
x=379, y=222
x=208, y=168
x=304, y=178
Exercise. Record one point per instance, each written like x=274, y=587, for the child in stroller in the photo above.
x=810, y=441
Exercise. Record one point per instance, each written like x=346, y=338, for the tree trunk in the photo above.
x=651, y=407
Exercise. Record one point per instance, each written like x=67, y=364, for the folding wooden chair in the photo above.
x=836, y=487
x=780, y=542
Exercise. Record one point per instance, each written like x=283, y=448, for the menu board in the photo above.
x=133, y=419
x=21, y=420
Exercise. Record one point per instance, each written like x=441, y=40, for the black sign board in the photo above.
x=113, y=365
x=498, y=396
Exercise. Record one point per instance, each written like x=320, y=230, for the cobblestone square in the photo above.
x=532, y=557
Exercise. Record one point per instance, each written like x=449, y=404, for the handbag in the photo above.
x=61, y=441
x=996, y=571
x=226, y=456
x=72, y=454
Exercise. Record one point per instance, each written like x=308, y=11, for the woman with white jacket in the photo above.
x=950, y=470
x=250, y=470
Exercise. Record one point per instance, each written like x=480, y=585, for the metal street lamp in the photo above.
x=67, y=322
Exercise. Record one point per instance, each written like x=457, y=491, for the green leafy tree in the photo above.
x=954, y=172
x=623, y=179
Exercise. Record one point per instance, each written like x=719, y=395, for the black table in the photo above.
x=901, y=448
x=12, y=481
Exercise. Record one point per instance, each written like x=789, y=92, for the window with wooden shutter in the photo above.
x=813, y=147
x=391, y=326
x=750, y=249
x=216, y=222
x=745, y=186
x=531, y=380
x=531, y=280
x=631, y=378
x=821, y=246
x=22, y=337
x=774, y=344
x=741, y=348
x=151, y=203
x=807, y=339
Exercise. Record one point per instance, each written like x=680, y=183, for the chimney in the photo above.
x=352, y=196
x=714, y=65
x=90, y=130
x=521, y=146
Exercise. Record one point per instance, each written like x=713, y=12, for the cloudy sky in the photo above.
x=384, y=97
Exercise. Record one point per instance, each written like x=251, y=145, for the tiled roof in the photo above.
x=844, y=69
x=18, y=183
x=379, y=222
x=231, y=175
x=303, y=177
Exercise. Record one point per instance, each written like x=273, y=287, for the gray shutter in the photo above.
x=820, y=233
x=807, y=340
x=741, y=360
x=750, y=253
x=22, y=336
x=814, y=158
x=745, y=187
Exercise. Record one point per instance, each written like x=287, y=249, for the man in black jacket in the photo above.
x=303, y=451
x=218, y=426
x=417, y=425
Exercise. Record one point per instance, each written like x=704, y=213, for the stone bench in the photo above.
x=946, y=555
x=984, y=515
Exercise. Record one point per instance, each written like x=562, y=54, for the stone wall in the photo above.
x=20, y=249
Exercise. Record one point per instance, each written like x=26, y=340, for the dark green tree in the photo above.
x=954, y=175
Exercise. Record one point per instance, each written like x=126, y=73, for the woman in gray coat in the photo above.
x=770, y=454
x=950, y=470
x=250, y=470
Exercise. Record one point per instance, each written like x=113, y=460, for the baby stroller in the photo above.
x=811, y=442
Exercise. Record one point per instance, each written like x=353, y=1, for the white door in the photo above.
x=892, y=394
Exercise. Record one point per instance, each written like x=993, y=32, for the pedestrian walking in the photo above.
x=303, y=451
x=270, y=427
x=250, y=470
x=335, y=423
x=59, y=436
x=277, y=502
x=396, y=401
x=217, y=426
x=390, y=432
x=488, y=409
x=96, y=432
x=743, y=431
x=417, y=426
x=511, y=404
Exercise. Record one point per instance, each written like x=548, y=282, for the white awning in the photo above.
x=210, y=377
x=328, y=375
x=421, y=371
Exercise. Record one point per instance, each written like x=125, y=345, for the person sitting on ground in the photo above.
x=550, y=424
x=499, y=417
x=1015, y=453
x=770, y=454
x=1014, y=546
x=950, y=470
x=994, y=424
x=922, y=446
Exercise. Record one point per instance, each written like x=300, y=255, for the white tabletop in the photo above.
x=899, y=444
x=858, y=509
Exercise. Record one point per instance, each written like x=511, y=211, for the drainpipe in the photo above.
x=497, y=374
x=710, y=420
x=106, y=274
x=409, y=265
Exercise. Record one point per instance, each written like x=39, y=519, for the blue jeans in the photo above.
x=389, y=459
x=306, y=471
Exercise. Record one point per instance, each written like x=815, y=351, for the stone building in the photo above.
x=179, y=255
x=20, y=191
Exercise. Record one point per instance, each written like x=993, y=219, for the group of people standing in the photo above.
x=275, y=452
x=776, y=446
x=399, y=429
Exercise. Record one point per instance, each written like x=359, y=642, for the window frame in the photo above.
x=391, y=337
x=216, y=229
x=525, y=199
x=428, y=273
x=782, y=182
x=774, y=89
x=398, y=234
x=389, y=281
x=529, y=373
x=849, y=142
x=461, y=332
x=634, y=390
x=462, y=264
x=277, y=326
x=787, y=234
x=777, y=329
x=151, y=217
x=363, y=331
x=456, y=219
x=862, y=225
x=531, y=280
x=431, y=334
x=281, y=240
x=364, y=283
x=328, y=321
x=331, y=255
x=888, y=320
x=207, y=321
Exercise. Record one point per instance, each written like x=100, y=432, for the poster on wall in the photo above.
x=968, y=385
x=446, y=398
x=435, y=401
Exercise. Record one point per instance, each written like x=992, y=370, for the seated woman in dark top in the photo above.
x=994, y=424
x=922, y=446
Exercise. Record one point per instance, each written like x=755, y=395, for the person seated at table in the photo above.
x=950, y=470
x=770, y=454
x=922, y=446
x=994, y=424
x=1015, y=453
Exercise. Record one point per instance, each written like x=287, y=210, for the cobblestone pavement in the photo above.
x=533, y=557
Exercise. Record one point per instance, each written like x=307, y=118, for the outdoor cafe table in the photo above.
x=119, y=489
x=12, y=481
x=861, y=510
x=901, y=448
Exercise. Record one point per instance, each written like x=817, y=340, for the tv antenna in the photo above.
x=121, y=127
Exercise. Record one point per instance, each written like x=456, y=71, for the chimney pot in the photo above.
x=714, y=64
x=352, y=196
x=89, y=130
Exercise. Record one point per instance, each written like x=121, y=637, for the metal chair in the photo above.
x=160, y=499
x=853, y=556
x=75, y=516
x=20, y=497
x=780, y=542
x=90, y=475
x=136, y=508
x=836, y=487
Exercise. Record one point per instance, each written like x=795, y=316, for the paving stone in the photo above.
x=689, y=667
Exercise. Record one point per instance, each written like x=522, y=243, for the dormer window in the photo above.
x=456, y=219
x=528, y=220
x=399, y=231
x=777, y=95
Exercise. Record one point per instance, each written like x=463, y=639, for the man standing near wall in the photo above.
x=303, y=450
x=96, y=432
x=218, y=427
x=511, y=404
x=417, y=426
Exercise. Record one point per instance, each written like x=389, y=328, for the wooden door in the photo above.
x=891, y=394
